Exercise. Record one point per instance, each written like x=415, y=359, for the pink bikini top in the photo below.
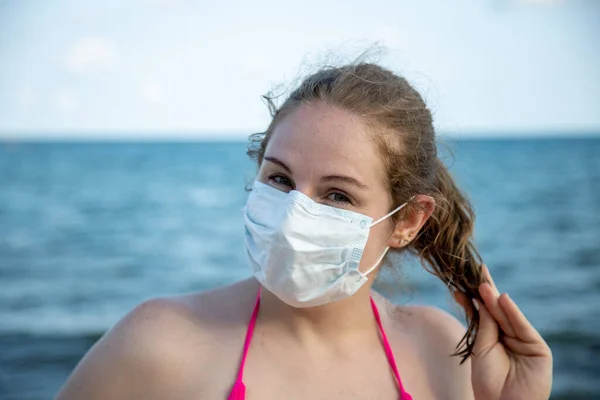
x=238, y=392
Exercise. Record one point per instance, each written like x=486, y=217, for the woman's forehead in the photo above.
x=332, y=139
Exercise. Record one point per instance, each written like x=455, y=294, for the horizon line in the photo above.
x=204, y=135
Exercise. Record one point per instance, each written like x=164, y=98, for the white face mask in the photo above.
x=305, y=253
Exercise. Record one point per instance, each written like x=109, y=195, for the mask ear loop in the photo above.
x=394, y=211
x=387, y=247
x=378, y=261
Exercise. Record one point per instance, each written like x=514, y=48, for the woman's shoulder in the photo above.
x=428, y=322
x=422, y=320
x=434, y=335
x=192, y=316
x=158, y=343
x=193, y=319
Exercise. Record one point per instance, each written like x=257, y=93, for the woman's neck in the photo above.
x=335, y=321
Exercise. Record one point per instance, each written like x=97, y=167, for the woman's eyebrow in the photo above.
x=330, y=178
x=347, y=179
x=278, y=162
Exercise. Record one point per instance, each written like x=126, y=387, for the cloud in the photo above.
x=65, y=100
x=90, y=54
x=152, y=92
x=25, y=97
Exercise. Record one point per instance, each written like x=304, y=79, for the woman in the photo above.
x=348, y=171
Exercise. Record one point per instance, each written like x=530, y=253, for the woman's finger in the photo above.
x=490, y=297
x=495, y=309
x=488, y=276
x=523, y=329
x=487, y=335
x=519, y=347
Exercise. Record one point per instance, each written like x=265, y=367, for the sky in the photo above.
x=197, y=69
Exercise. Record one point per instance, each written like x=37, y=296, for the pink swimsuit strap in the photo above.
x=238, y=392
x=389, y=353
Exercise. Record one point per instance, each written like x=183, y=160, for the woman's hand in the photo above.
x=516, y=365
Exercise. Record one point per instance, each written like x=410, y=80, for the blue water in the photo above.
x=88, y=230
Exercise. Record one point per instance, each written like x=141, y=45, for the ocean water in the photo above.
x=88, y=230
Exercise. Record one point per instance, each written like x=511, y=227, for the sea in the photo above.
x=90, y=229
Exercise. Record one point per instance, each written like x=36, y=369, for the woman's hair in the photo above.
x=403, y=128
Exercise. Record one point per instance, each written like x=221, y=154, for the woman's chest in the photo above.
x=293, y=374
x=279, y=384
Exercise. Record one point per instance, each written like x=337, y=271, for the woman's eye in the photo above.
x=339, y=198
x=281, y=181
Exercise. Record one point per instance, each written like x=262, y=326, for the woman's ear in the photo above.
x=415, y=217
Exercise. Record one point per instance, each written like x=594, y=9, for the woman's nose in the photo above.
x=306, y=189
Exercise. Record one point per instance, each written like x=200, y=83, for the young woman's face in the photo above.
x=327, y=154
